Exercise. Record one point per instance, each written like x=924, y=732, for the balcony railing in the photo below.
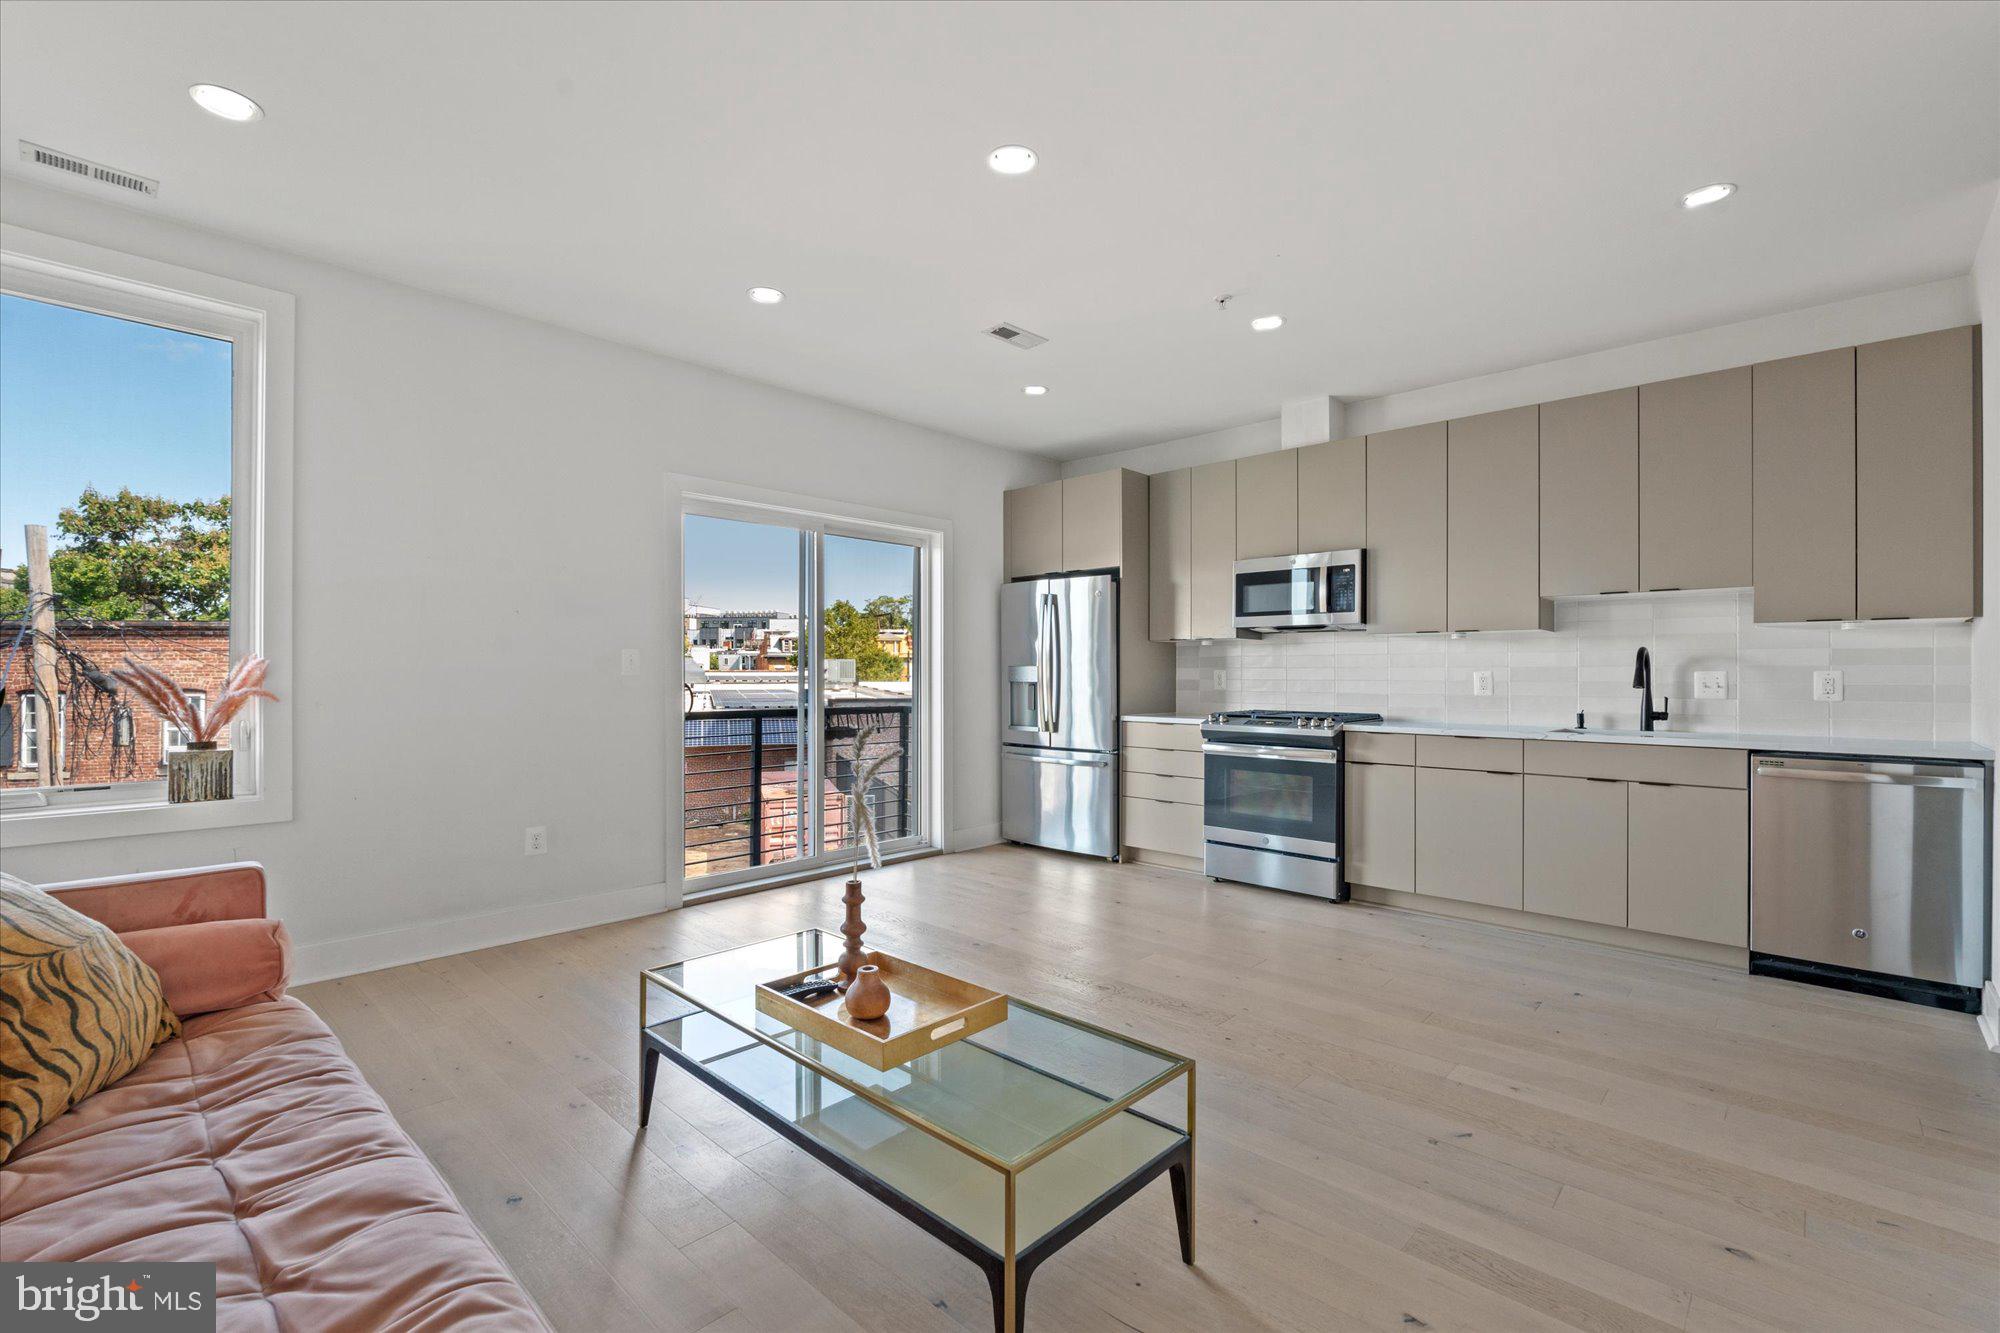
x=742, y=790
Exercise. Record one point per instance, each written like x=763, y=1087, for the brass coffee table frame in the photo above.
x=1007, y=1271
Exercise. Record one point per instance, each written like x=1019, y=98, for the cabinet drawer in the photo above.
x=1469, y=836
x=1162, y=826
x=1681, y=765
x=1492, y=753
x=1152, y=786
x=1166, y=763
x=1378, y=747
x=1160, y=735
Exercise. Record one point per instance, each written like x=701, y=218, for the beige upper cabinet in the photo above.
x=1694, y=482
x=1406, y=529
x=1589, y=483
x=1267, y=504
x=1803, y=524
x=1212, y=496
x=1092, y=527
x=1916, y=453
x=1493, y=561
x=1172, y=605
x=1333, y=495
x=1033, y=530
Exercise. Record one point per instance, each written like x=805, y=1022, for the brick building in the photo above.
x=122, y=742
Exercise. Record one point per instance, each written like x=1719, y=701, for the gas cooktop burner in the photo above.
x=1282, y=717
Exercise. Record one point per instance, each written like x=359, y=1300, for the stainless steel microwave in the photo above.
x=1321, y=590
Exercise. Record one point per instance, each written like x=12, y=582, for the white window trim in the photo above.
x=260, y=324
x=720, y=499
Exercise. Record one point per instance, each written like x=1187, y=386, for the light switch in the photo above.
x=1711, y=684
x=1828, y=687
x=1482, y=683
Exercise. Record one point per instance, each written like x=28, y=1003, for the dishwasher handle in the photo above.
x=1882, y=779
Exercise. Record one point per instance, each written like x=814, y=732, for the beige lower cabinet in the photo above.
x=1469, y=836
x=1382, y=825
x=1573, y=850
x=1163, y=826
x=1688, y=867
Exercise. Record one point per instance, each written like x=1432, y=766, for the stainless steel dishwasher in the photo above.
x=1870, y=876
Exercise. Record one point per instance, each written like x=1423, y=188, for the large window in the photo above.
x=807, y=702
x=142, y=429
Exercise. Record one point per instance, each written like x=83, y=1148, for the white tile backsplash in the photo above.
x=1905, y=681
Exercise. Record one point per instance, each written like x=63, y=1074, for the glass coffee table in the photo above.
x=1006, y=1145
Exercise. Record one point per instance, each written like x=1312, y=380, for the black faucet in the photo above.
x=1642, y=679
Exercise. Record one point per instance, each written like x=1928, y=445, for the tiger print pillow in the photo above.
x=78, y=1010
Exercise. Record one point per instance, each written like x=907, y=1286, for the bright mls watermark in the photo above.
x=158, y=1298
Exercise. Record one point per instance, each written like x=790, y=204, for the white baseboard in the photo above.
x=1989, y=1015
x=439, y=939
x=965, y=839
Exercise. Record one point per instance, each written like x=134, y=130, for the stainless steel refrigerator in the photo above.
x=1059, y=713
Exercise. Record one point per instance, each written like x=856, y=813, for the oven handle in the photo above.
x=1283, y=752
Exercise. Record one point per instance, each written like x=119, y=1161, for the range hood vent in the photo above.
x=88, y=170
x=1016, y=336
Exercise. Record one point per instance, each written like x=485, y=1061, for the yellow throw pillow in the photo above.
x=78, y=1010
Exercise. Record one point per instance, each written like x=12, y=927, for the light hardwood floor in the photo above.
x=1406, y=1123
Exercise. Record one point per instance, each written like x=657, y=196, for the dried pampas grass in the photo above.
x=164, y=696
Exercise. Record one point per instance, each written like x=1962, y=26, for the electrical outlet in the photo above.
x=1711, y=684
x=537, y=841
x=628, y=661
x=1482, y=683
x=1828, y=687
x=1221, y=680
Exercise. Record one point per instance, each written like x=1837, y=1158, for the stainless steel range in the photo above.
x=1274, y=797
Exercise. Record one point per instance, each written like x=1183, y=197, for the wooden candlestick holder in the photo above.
x=851, y=930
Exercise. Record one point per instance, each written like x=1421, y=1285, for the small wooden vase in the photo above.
x=852, y=929
x=867, y=994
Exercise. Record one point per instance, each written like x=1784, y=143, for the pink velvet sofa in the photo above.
x=251, y=1142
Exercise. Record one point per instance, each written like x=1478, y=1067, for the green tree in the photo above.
x=137, y=557
x=851, y=633
x=889, y=612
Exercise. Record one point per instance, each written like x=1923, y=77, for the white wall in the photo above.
x=480, y=527
x=1895, y=314
x=1986, y=631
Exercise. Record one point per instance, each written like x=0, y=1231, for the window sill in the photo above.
x=36, y=828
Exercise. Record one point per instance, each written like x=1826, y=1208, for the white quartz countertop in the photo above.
x=1874, y=747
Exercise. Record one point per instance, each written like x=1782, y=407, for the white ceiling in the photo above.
x=1426, y=192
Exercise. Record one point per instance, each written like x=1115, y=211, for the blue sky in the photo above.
x=88, y=400
x=754, y=567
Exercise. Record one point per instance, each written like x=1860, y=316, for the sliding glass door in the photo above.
x=804, y=689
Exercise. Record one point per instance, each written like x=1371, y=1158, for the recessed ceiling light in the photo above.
x=1012, y=160
x=1035, y=390
x=225, y=102
x=766, y=295
x=1265, y=323
x=1707, y=194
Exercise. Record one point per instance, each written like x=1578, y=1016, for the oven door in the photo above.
x=1271, y=797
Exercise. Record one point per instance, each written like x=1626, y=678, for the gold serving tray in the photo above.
x=927, y=1010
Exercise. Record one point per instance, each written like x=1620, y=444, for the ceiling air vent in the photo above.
x=1015, y=336
x=88, y=170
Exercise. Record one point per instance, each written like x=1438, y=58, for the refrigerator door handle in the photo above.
x=1044, y=690
x=1056, y=651
x=1058, y=757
